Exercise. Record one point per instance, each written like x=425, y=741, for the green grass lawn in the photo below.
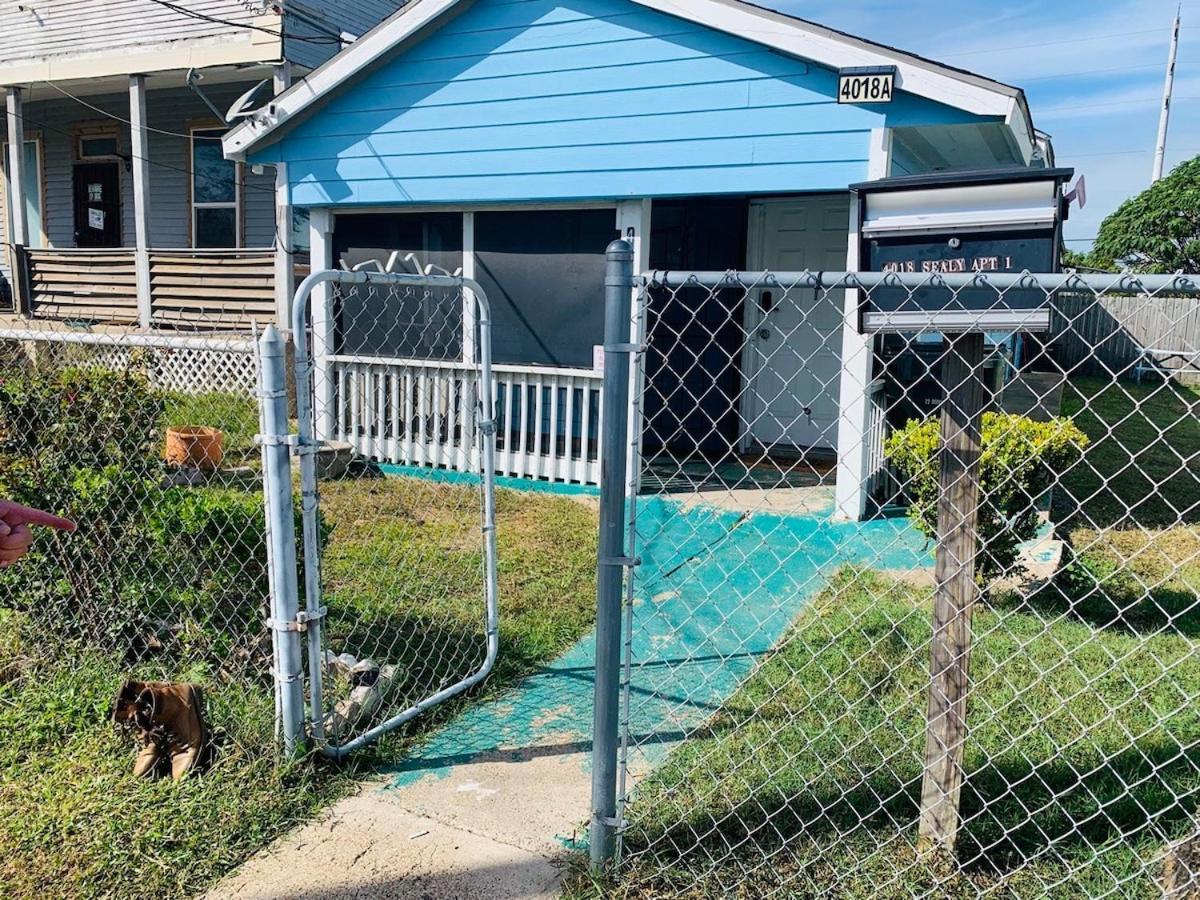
x=1130, y=509
x=1142, y=468
x=73, y=822
x=807, y=781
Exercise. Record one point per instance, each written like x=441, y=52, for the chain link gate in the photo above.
x=396, y=445
x=809, y=705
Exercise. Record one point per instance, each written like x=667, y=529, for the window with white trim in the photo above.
x=216, y=192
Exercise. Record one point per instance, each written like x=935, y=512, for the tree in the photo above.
x=1159, y=229
x=1073, y=259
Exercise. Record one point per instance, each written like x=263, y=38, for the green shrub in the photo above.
x=152, y=569
x=82, y=443
x=1019, y=462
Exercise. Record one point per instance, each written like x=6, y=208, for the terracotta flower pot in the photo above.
x=195, y=447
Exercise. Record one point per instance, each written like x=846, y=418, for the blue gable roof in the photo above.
x=518, y=100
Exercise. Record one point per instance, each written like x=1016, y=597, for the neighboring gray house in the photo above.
x=120, y=207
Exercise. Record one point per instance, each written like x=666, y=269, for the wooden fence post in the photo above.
x=946, y=722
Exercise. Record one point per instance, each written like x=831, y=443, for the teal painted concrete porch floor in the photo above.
x=716, y=591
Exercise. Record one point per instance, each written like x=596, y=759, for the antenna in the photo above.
x=1160, y=149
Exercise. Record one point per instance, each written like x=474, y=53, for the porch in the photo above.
x=190, y=289
x=121, y=211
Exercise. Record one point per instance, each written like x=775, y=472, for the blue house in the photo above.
x=514, y=139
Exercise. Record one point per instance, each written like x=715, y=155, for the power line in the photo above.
x=204, y=17
x=1081, y=40
x=244, y=186
x=145, y=159
x=1127, y=152
x=1155, y=100
x=1102, y=71
x=106, y=113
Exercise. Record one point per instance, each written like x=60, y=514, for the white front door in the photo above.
x=794, y=348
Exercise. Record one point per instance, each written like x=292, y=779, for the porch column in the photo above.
x=320, y=236
x=141, y=195
x=17, y=223
x=285, y=273
x=854, y=410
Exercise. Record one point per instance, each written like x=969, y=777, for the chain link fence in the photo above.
x=402, y=606
x=828, y=686
x=148, y=441
x=913, y=614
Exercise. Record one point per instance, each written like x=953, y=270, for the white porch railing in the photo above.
x=418, y=413
x=880, y=485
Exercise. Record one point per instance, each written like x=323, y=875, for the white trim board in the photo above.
x=796, y=37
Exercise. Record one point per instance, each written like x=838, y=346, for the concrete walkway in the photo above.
x=489, y=804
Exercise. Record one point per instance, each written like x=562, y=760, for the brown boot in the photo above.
x=148, y=759
x=170, y=720
x=188, y=733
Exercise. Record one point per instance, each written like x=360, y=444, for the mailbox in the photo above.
x=960, y=224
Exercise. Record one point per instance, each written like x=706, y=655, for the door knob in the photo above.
x=765, y=334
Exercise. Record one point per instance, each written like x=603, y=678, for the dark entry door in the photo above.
x=97, y=205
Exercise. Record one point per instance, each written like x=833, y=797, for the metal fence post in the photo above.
x=281, y=546
x=613, y=562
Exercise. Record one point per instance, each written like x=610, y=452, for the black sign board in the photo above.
x=898, y=237
x=968, y=254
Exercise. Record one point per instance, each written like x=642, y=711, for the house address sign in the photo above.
x=875, y=84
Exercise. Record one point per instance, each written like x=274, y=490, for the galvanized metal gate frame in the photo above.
x=288, y=622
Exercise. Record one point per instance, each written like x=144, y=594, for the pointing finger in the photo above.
x=14, y=514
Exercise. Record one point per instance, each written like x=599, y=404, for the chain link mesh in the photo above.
x=785, y=731
x=148, y=442
x=397, y=393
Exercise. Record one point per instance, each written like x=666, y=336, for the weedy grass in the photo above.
x=1080, y=762
x=1142, y=465
x=1130, y=509
x=73, y=821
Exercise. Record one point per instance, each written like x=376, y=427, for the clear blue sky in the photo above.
x=1093, y=72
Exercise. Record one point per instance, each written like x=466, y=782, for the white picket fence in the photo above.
x=419, y=412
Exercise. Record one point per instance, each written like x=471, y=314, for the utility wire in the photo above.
x=1079, y=40
x=147, y=160
x=106, y=113
x=244, y=186
x=1103, y=71
x=1045, y=109
x=1127, y=152
x=204, y=17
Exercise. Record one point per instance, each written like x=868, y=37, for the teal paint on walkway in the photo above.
x=445, y=476
x=715, y=592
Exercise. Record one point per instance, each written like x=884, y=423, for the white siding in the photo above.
x=56, y=28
